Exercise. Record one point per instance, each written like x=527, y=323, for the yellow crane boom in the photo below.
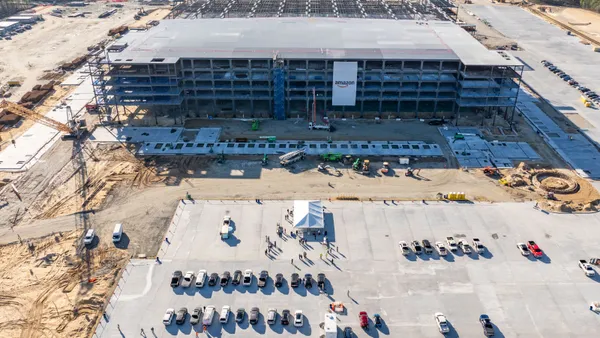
x=30, y=114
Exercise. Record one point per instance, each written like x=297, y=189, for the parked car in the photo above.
x=224, y=317
x=271, y=316
x=278, y=280
x=237, y=277
x=535, y=249
x=295, y=281
x=181, y=314
x=225, y=278
x=254, y=313
x=478, y=246
x=196, y=316
x=285, y=317
x=240, y=314
x=209, y=314
x=298, y=318
x=523, y=248
x=187, y=279
x=486, y=324
x=308, y=281
x=427, y=246
x=176, y=278
x=451, y=243
x=363, y=319
x=442, y=322
x=168, y=317
x=377, y=320
x=321, y=281
x=200, y=278
x=262, y=278
x=416, y=247
x=247, y=278
x=584, y=89
x=212, y=280
x=587, y=268
x=89, y=237
x=348, y=332
x=441, y=248
x=404, y=247
x=465, y=247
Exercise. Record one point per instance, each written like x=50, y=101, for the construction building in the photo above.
x=277, y=67
x=8, y=26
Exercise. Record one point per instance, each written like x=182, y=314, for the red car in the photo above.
x=364, y=319
x=535, y=249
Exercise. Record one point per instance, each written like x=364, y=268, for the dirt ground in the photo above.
x=56, y=40
x=581, y=19
x=51, y=288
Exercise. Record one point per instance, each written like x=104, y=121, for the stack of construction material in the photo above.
x=38, y=93
x=119, y=30
x=75, y=63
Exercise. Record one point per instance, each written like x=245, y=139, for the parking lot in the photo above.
x=524, y=296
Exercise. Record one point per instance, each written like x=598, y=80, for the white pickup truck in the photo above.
x=587, y=268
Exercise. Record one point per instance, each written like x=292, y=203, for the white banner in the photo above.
x=344, y=83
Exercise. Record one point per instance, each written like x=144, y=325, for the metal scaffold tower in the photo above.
x=99, y=83
x=279, y=87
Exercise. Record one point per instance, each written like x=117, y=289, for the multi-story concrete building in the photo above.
x=270, y=67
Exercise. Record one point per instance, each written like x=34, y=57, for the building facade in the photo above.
x=409, y=73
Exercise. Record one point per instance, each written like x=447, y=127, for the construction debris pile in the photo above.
x=74, y=64
x=559, y=190
x=52, y=287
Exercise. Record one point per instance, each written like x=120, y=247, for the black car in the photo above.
x=279, y=280
x=416, y=247
x=212, y=280
x=295, y=280
x=240, y=314
x=262, y=278
x=237, y=277
x=308, y=281
x=486, y=324
x=180, y=316
x=225, y=278
x=321, y=281
x=584, y=90
x=176, y=278
x=427, y=246
x=437, y=122
x=285, y=317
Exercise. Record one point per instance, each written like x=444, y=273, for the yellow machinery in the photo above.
x=366, y=167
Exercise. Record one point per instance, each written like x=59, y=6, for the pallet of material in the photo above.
x=118, y=30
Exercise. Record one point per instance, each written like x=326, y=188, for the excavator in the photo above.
x=71, y=132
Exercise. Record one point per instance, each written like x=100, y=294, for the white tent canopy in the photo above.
x=308, y=215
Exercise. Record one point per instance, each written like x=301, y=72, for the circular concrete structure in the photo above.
x=555, y=182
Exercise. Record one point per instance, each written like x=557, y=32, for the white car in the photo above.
x=224, y=314
x=442, y=322
x=465, y=247
x=587, y=268
x=187, y=279
x=298, y=318
x=209, y=314
x=404, y=247
x=523, y=248
x=451, y=243
x=247, y=280
x=441, y=248
x=478, y=246
x=168, y=317
x=89, y=237
x=201, y=278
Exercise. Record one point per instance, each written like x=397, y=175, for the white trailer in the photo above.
x=330, y=328
x=292, y=157
x=314, y=126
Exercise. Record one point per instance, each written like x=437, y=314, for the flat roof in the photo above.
x=306, y=38
x=4, y=24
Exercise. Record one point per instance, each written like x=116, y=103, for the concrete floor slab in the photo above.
x=524, y=296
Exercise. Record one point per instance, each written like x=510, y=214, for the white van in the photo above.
x=209, y=314
x=117, y=232
x=224, y=314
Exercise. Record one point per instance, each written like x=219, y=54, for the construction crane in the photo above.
x=39, y=118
